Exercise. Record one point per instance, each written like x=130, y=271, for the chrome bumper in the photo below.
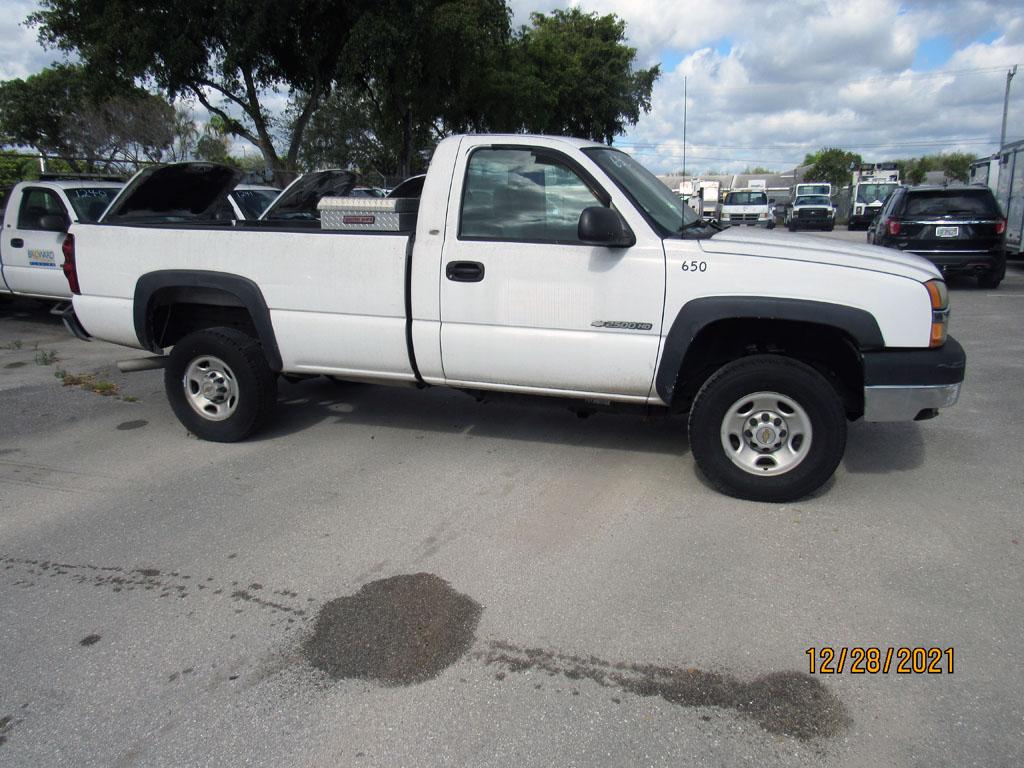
x=908, y=403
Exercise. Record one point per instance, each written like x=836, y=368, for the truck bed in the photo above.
x=332, y=295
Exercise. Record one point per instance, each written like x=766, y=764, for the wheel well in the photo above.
x=827, y=349
x=175, y=312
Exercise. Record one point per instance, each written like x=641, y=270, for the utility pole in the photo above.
x=1006, y=104
x=684, y=125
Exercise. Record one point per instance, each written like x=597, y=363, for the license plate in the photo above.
x=947, y=231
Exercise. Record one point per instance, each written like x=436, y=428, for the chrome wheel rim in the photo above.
x=766, y=434
x=211, y=388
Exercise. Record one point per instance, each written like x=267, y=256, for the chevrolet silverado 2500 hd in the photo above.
x=533, y=265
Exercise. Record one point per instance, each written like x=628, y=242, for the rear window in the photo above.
x=90, y=202
x=952, y=202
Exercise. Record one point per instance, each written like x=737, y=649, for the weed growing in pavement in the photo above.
x=88, y=382
x=46, y=357
x=16, y=344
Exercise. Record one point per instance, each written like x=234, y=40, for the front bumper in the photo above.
x=763, y=223
x=912, y=384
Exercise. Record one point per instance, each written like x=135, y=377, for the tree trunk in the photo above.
x=405, y=158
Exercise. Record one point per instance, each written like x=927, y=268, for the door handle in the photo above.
x=464, y=271
x=17, y=242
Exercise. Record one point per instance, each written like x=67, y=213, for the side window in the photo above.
x=522, y=194
x=36, y=203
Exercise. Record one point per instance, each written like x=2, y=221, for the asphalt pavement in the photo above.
x=400, y=577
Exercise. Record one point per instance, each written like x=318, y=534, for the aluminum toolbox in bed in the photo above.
x=369, y=214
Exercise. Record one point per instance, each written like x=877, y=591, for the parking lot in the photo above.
x=170, y=602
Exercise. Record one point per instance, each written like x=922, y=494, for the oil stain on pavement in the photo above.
x=134, y=424
x=788, y=703
x=396, y=631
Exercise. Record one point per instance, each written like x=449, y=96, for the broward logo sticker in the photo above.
x=38, y=258
x=622, y=324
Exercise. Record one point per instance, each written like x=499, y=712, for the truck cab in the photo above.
x=35, y=220
x=870, y=187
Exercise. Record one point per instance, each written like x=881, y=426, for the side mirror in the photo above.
x=603, y=226
x=53, y=222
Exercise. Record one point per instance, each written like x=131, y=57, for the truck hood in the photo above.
x=300, y=198
x=177, y=192
x=822, y=250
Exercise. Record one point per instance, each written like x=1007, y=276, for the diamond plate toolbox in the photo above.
x=369, y=214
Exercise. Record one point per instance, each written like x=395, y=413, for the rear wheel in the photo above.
x=219, y=384
x=767, y=428
x=991, y=279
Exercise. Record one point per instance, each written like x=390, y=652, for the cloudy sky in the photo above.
x=770, y=81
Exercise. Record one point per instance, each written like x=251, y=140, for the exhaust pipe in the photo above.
x=142, y=364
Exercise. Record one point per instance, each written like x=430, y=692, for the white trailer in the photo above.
x=1010, y=195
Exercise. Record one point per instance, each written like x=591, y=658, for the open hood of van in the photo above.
x=176, y=192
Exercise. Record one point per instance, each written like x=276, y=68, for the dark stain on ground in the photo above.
x=14, y=365
x=151, y=580
x=6, y=724
x=241, y=594
x=89, y=640
x=789, y=703
x=396, y=631
x=136, y=424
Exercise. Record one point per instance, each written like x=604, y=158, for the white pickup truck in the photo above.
x=534, y=265
x=36, y=216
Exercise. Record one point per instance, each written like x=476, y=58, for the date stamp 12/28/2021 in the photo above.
x=873, y=660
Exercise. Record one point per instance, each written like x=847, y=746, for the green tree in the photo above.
x=15, y=167
x=62, y=112
x=230, y=56
x=957, y=165
x=757, y=169
x=833, y=165
x=571, y=73
x=416, y=70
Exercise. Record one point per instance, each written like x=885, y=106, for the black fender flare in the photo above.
x=695, y=315
x=242, y=288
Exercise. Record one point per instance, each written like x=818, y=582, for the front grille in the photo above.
x=811, y=214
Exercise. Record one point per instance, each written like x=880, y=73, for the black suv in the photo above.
x=958, y=229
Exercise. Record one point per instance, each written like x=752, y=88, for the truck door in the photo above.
x=32, y=255
x=526, y=305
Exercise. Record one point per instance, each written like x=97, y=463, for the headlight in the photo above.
x=938, y=296
x=725, y=217
x=763, y=215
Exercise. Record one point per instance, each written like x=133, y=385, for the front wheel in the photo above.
x=219, y=384
x=767, y=428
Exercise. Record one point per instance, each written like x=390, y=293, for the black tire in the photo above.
x=768, y=373
x=791, y=227
x=830, y=228
x=255, y=383
x=992, y=279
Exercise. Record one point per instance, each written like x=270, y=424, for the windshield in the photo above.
x=812, y=189
x=812, y=200
x=254, y=201
x=973, y=202
x=746, y=198
x=874, y=193
x=663, y=206
x=90, y=202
